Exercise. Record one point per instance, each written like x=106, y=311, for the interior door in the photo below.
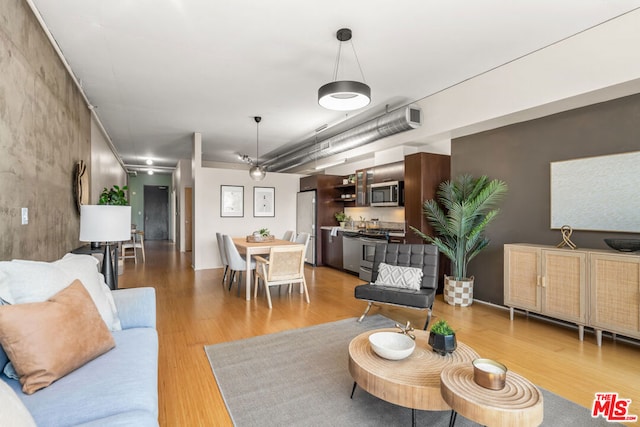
x=156, y=212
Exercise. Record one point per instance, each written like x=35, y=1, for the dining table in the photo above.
x=248, y=249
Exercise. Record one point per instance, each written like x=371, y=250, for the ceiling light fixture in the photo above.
x=257, y=172
x=150, y=172
x=149, y=162
x=344, y=95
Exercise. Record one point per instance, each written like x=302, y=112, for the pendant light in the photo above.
x=344, y=95
x=257, y=172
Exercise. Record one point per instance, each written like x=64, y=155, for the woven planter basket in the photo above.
x=458, y=292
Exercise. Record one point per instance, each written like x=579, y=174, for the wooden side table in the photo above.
x=519, y=403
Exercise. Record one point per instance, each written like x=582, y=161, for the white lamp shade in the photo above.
x=105, y=223
x=344, y=95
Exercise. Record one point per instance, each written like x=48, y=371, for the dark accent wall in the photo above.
x=45, y=128
x=520, y=155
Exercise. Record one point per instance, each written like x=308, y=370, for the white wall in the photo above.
x=207, y=219
x=106, y=170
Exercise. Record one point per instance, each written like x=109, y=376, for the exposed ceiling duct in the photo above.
x=400, y=120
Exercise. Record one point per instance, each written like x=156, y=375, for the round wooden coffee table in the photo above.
x=413, y=382
x=519, y=403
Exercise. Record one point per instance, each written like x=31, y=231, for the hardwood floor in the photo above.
x=194, y=310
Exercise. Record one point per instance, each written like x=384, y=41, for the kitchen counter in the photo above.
x=357, y=230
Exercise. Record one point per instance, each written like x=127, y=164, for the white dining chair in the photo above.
x=223, y=256
x=237, y=263
x=289, y=235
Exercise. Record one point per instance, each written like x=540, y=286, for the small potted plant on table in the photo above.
x=442, y=338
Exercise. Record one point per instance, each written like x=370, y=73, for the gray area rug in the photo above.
x=301, y=378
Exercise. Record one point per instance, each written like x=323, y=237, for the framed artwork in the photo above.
x=264, y=201
x=231, y=201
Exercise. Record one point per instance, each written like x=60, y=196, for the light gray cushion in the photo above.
x=123, y=380
x=399, y=277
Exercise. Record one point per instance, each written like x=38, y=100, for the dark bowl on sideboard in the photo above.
x=624, y=245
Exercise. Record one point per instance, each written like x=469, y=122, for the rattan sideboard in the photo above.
x=594, y=288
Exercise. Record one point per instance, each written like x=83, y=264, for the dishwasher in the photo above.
x=351, y=252
x=368, y=251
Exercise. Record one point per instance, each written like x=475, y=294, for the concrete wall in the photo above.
x=45, y=128
x=520, y=155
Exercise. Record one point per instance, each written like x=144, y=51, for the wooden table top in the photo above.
x=241, y=243
x=519, y=403
x=413, y=382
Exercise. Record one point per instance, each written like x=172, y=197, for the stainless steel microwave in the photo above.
x=387, y=194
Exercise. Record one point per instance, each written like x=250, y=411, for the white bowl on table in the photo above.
x=392, y=345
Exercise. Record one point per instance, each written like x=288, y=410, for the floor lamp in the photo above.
x=108, y=224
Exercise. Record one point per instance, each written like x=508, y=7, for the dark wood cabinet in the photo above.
x=347, y=194
x=388, y=172
x=423, y=173
x=332, y=249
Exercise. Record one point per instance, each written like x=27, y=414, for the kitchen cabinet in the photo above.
x=588, y=287
x=364, y=178
x=347, y=193
x=615, y=294
x=548, y=281
x=423, y=173
x=332, y=249
x=388, y=172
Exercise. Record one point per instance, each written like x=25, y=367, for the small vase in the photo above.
x=442, y=344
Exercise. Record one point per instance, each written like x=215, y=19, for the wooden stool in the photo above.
x=519, y=403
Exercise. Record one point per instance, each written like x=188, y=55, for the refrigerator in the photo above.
x=306, y=221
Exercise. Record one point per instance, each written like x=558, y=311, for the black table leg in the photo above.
x=413, y=417
x=452, y=418
x=353, y=390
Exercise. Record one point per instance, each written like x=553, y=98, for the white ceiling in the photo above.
x=157, y=71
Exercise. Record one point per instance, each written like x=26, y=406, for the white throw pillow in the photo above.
x=35, y=281
x=12, y=411
x=85, y=269
x=399, y=277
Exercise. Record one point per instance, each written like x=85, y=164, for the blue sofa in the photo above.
x=118, y=388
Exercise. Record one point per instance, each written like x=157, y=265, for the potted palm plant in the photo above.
x=459, y=218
